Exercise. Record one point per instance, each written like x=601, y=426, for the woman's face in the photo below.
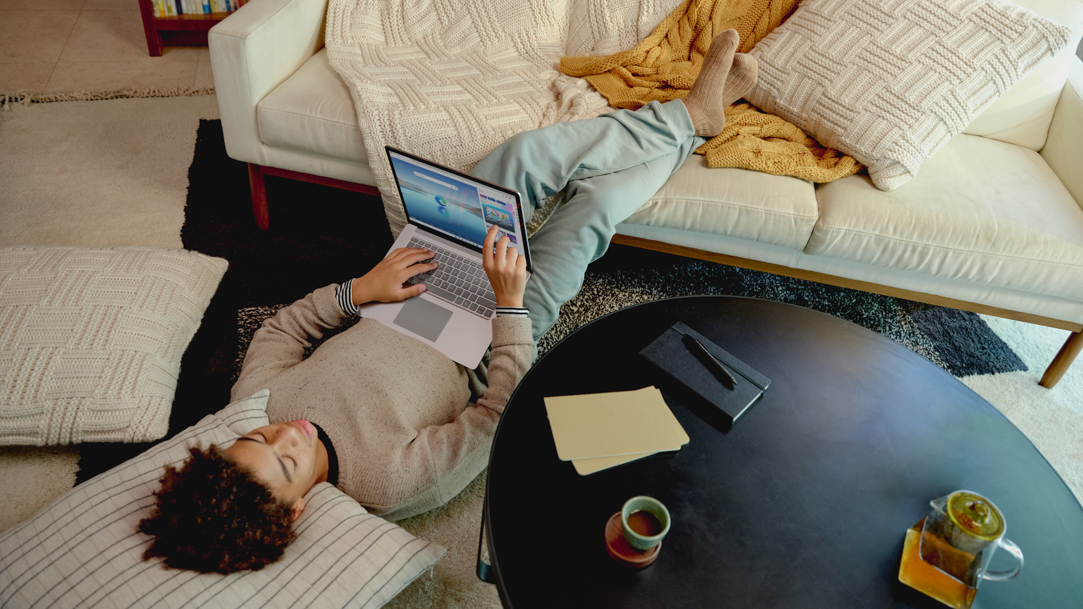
x=283, y=456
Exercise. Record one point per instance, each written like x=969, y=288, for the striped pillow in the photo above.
x=84, y=549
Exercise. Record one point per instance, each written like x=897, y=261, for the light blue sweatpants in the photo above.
x=611, y=165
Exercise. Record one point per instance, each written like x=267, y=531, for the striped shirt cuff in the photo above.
x=344, y=296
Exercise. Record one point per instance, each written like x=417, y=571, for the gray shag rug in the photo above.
x=960, y=342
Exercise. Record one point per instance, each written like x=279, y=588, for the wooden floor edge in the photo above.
x=843, y=282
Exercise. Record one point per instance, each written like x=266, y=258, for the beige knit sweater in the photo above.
x=411, y=428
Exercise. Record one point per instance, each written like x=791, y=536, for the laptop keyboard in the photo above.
x=456, y=279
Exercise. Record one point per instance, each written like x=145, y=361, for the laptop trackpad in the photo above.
x=423, y=318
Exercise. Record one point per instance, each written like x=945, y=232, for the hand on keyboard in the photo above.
x=389, y=281
x=457, y=279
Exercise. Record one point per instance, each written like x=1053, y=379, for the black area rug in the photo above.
x=320, y=235
x=960, y=342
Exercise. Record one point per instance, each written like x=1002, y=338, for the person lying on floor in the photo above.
x=392, y=422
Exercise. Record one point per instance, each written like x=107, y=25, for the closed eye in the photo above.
x=263, y=440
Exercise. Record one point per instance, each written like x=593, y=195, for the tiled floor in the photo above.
x=88, y=45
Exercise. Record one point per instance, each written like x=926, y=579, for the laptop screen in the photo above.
x=456, y=205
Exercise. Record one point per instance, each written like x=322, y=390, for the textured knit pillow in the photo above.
x=91, y=340
x=85, y=550
x=891, y=81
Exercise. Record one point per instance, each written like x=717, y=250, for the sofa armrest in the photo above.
x=1064, y=147
x=253, y=51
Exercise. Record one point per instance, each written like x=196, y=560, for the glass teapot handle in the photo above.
x=1000, y=576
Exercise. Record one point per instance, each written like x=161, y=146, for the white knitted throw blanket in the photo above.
x=449, y=80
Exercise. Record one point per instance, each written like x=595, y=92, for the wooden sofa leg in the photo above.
x=259, y=196
x=1064, y=358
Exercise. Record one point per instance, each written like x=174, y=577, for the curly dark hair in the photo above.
x=215, y=517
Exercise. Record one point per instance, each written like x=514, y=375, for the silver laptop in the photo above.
x=450, y=212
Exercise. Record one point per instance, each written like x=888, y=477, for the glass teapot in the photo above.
x=957, y=539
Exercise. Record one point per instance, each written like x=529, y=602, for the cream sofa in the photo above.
x=992, y=224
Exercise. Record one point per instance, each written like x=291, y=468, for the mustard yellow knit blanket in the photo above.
x=665, y=64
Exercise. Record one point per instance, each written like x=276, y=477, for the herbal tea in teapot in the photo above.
x=947, y=554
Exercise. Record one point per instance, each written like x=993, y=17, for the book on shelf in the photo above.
x=173, y=8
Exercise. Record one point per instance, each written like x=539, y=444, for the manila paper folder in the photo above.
x=612, y=424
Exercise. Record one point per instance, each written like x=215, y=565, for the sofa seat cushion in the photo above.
x=312, y=111
x=982, y=211
x=775, y=210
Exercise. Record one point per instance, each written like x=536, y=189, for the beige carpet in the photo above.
x=98, y=173
x=108, y=173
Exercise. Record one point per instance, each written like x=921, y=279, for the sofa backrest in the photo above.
x=1022, y=115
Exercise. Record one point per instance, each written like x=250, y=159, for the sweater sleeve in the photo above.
x=280, y=342
x=457, y=451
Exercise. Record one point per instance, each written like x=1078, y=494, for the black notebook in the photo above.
x=728, y=386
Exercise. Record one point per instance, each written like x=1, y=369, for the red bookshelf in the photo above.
x=181, y=30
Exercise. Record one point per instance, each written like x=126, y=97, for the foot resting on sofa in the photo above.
x=725, y=77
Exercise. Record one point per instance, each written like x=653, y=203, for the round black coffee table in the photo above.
x=803, y=503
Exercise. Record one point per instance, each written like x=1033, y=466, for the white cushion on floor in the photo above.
x=91, y=340
x=312, y=111
x=985, y=212
x=775, y=210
